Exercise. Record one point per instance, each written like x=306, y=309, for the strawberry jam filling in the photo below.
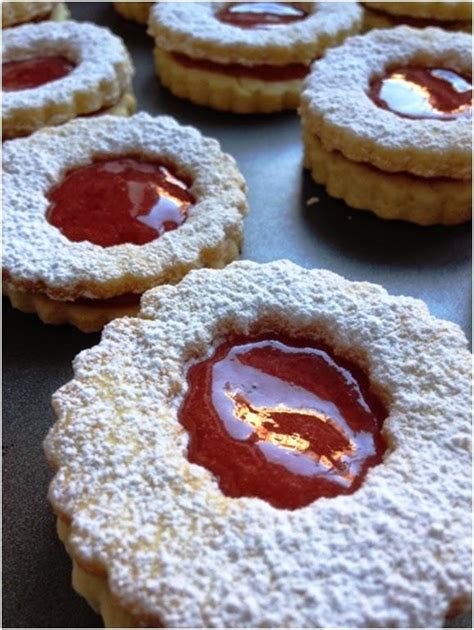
x=31, y=73
x=283, y=420
x=260, y=14
x=116, y=201
x=263, y=72
x=416, y=92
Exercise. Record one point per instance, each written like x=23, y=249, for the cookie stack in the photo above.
x=386, y=124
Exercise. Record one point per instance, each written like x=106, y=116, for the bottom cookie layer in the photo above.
x=88, y=317
x=125, y=106
x=94, y=589
x=223, y=92
x=388, y=195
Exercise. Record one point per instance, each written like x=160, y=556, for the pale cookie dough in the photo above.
x=100, y=80
x=192, y=30
x=402, y=196
x=166, y=548
x=43, y=268
x=136, y=11
x=14, y=13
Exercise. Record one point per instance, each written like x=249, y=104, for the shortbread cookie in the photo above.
x=53, y=72
x=101, y=209
x=246, y=56
x=307, y=379
x=404, y=109
x=14, y=13
x=136, y=11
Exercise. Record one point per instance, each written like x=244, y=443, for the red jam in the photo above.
x=263, y=72
x=282, y=420
x=416, y=92
x=260, y=14
x=115, y=201
x=31, y=73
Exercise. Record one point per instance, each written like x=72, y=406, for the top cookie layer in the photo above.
x=38, y=257
x=192, y=28
x=179, y=553
x=335, y=104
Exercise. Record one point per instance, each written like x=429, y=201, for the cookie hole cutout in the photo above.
x=282, y=419
x=118, y=200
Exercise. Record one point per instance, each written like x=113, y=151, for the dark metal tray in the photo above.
x=433, y=264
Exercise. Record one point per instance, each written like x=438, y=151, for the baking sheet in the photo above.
x=433, y=264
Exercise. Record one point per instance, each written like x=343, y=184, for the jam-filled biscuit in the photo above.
x=14, y=13
x=386, y=124
x=268, y=446
x=53, y=72
x=136, y=11
x=245, y=56
x=101, y=209
x=452, y=16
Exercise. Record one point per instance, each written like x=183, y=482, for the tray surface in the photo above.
x=433, y=264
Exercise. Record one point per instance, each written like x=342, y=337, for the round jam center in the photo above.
x=31, y=73
x=260, y=14
x=117, y=201
x=415, y=92
x=282, y=420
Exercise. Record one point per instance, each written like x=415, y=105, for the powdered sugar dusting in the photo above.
x=192, y=28
x=38, y=257
x=394, y=554
x=337, y=107
x=102, y=74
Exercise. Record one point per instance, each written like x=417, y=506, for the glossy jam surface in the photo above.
x=31, y=73
x=116, y=201
x=260, y=14
x=416, y=92
x=263, y=72
x=282, y=420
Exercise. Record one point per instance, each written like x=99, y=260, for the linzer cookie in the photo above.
x=135, y=11
x=101, y=209
x=268, y=446
x=452, y=16
x=56, y=71
x=245, y=56
x=387, y=124
x=14, y=13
